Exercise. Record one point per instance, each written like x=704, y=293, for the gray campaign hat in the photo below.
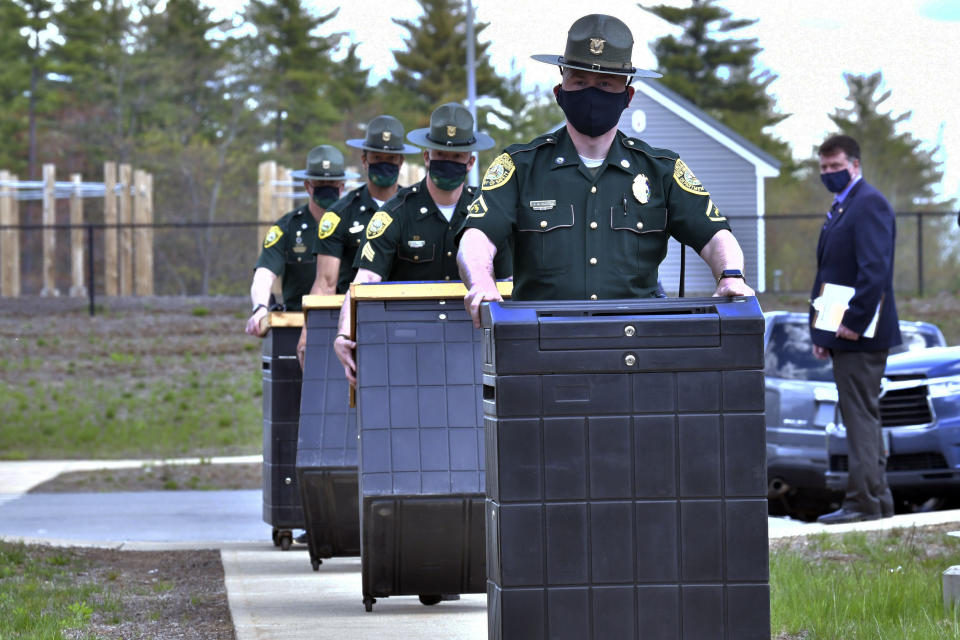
x=324, y=163
x=599, y=43
x=451, y=129
x=385, y=134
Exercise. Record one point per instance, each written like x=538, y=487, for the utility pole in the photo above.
x=474, y=177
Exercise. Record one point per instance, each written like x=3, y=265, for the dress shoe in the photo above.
x=842, y=516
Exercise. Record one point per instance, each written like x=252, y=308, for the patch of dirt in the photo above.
x=165, y=477
x=161, y=594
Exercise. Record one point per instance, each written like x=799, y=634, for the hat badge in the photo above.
x=325, y=164
x=596, y=46
x=451, y=131
x=385, y=136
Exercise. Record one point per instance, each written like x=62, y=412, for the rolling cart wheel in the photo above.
x=316, y=564
x=286, y=539
x=368, y=603
x=430, y=599
x=276, y=537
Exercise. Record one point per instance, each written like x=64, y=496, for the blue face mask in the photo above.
x=325, y=195
x=592, y=111
x=447, y=174
x=836, y=181
x=383, y=174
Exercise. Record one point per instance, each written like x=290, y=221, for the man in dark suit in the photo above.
x=856, y=250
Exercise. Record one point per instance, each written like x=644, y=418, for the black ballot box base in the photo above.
x=626, y=473
x=281, y=379
x=327, y=443
x=427, y=546
x=331, y=508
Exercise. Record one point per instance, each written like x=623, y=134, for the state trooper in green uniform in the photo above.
x=413, y=236
x=288, y=248
x=341, y=227
x=590, y=210
x=340, y=232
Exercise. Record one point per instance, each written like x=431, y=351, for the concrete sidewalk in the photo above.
x=272, y=593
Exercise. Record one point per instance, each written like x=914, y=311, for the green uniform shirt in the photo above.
x=288, y=251
x=591, y=234
x=409, y=239
x=340, y=232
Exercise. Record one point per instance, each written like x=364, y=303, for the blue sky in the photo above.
x=809, y=44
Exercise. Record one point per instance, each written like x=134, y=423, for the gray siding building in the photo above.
x=732, y=169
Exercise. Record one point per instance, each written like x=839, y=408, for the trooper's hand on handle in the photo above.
x=302, y=346
x=343, y=347
x=253, y=322
x=730, y=287
x=477, y=294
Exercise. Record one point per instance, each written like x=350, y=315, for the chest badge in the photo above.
x=416, y=243
x=641, y=188
x=356, y=228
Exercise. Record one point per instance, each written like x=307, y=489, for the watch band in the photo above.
x=730, y=273
x=257, y=308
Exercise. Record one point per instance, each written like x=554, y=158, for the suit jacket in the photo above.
x=856, y=249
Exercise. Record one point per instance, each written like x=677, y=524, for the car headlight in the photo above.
x=944, y=387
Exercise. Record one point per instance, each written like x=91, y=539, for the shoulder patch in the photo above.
x=328, y=224
x=713, y=212
x=477, y=208
x=273, y=236
x=687, y=181
x=378, y=224
x=499, y=173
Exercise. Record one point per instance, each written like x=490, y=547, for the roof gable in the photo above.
x=767, y=166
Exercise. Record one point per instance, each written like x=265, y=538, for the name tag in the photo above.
x=543, y=205
x=357, y=228
x=416, y=244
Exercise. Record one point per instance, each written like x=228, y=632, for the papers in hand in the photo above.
x=833, y=302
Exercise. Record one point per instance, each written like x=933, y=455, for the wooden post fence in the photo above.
x=122, y=245
x=126, y=233
x=143, y=235
x=9, y=238
x=77, y=247
x=110, y=280
x=49, y=218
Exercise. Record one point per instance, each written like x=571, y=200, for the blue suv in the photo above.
x=801, y=408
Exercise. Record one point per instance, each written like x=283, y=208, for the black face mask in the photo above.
x=325, y=195
x=836, y=181
x=593, y=111
x=383, y=174
x=447, y=174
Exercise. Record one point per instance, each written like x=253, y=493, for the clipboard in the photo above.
x=832, y=303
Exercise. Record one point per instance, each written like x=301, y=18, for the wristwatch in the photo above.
x=730, y=273
x=257, y=307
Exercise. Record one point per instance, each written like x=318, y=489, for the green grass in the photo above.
x=215, y=412
x=132, y=384
x=40, y=596
x=860, y=586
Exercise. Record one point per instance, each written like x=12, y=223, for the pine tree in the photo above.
x=291, y=67
x=895, y=162
x=432, y=71
x=14, y=86
x=89, y=62
x=718, y=73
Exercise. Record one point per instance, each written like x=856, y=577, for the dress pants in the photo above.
x=858, y=375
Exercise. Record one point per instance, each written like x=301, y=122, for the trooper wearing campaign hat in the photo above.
x=341, y=228
x=288, y=248
x=588, y=208
x=340, y=232
x=412, y=236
